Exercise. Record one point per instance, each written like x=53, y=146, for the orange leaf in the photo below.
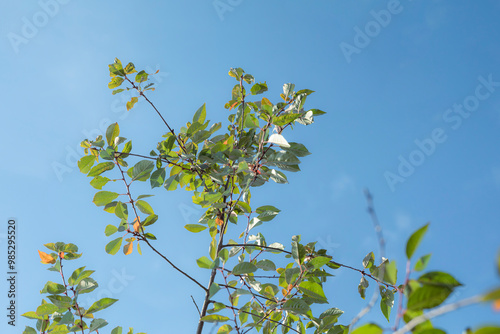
x=128, y=248
x=234, y=104
x=496, y=305
x=284, y=292
x=46, y=258
x=61, y=255
x=219, y=221
x=137, y=224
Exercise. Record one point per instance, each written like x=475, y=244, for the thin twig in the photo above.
x=437, y=312
x=195, y=305
x=381, y=242
x=173, y=265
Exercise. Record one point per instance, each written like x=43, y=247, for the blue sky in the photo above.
x=392, y=92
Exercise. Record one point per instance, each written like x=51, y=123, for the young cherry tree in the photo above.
x=245, y=290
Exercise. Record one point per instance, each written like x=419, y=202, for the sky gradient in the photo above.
x=412, y=95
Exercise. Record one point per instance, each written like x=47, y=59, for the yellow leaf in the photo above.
x=46, y=258
x=137, y=224
x=128, y=248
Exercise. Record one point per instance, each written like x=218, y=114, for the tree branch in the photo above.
x=381, y=242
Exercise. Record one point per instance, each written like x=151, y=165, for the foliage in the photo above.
x=247, y=289
x=63, y=313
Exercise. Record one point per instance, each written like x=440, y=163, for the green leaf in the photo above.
x=422, y=262
x=363, y=284
x=319, y=261
x=144, y=207
x=391, y=273
x=236, y=73
x=313, y=290
x=111, y=133
x=142, y=169
x=115, y=82
x=114, y=246
x=86, y=163
x=102, y=198
x=150, y=236
x=31, y=315
x=285, y=119
x=86, y=285
x=117, y=330
x=101, y=304
x=141, y=77
x=214, y=318
x=150, y=220
x=282, y=158
x=296, y=149
x=288, y=89
x=415, y=240
x=96, y=324
x=110, y=229
x=278, y=176
x=266, y=265
x=487, y=330
x=61, y=301
x=130, y=68
x=248, y=78
x=297, y=306
x=387, y=302
x=99, y=181
x=195, y=228
x=157, y=178
x=244, y=268
x=225, y=329
x=369, y=260
x=214, y=288
x=67, y=319
x=121, y=211
x=266, y=209
x=258, y=88
x=428, y=296
x=29, y=330
x=204, y=262
x=368, y=329
x=78, y=275
x=440, y=279
x=46, y=309
x=317, y=112
x=53, y=288
x=116, y=68
x=267, y=215
x=101, y=168
x=200, y=114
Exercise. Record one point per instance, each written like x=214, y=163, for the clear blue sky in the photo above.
x=393, y=95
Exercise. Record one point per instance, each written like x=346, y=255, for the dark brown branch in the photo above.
x=173, y=265
x=142, y=238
